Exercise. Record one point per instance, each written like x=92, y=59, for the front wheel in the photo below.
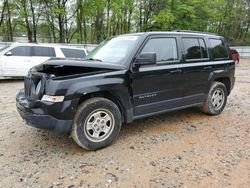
x=216, y=99
x=96, y=124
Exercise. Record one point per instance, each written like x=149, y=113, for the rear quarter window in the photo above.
x=218, y=49
x=73, y=53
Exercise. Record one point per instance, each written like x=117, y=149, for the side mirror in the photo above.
x=8, y=53
x=145, y=59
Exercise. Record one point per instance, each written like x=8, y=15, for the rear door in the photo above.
x=159, y=87
x=17, y=61
x=41, y=54
x=197, y=68
x=199, y=65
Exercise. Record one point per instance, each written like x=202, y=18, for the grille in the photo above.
x=30, y=84
x=27, y=86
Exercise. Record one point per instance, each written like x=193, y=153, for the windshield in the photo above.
x=3, y=48
x=113, y=50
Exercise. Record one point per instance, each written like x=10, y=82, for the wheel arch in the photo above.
x=226, y=82
x=110, y=96
x=220, y=76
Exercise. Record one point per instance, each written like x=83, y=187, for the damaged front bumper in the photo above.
x=56, y=117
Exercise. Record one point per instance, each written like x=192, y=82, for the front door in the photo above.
x=158, y=87
x=17, y=61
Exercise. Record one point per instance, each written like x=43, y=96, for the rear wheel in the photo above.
x=96, y=124
x=216, y=99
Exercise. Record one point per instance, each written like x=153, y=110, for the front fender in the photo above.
x=115, y=83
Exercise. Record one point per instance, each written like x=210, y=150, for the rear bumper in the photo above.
x=37, y=117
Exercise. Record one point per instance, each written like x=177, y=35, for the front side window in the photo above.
x=73, y=53
x=21, y=51
x=44, y=51
x=194, y=48
x=113, y=50
x=165, y=49
x=218, y=48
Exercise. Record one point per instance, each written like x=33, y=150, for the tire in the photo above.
x=216, y=99
x=96, y=124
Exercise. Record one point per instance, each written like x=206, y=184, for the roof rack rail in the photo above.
x=190, y=31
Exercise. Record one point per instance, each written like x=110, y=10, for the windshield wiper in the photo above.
x=93, y=59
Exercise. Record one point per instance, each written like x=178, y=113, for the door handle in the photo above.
x=208, y=67
x=176, y=71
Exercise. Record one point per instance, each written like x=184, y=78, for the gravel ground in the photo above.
x=179, y=149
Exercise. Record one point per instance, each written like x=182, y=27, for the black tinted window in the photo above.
x=73, y=53
x=219, y=49
x=194, y=48
x=165, y=49
x=204, y=53
x=21, y=51
x=44, y=51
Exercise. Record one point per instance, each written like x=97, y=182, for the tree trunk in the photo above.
x=10, y=38
x=107, y=24
x=26, y=18
x=33, y=21
x=79, y=21
x=61, y=21
x=3, y=10
x=140, y=17
x=84, y=30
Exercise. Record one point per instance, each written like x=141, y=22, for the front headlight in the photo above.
x=49, y=98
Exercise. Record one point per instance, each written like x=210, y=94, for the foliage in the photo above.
x=91, y=21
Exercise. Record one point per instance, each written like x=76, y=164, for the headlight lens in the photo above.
x=49, y=98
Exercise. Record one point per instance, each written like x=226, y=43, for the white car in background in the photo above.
x=18, y=58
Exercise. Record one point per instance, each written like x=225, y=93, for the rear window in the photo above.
x=219, y=49
x=44, y=51
x=73, y=53
x=195, y=48
x=21, y=51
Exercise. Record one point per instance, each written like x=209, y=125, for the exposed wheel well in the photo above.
x=226, y=82
x=107, y=95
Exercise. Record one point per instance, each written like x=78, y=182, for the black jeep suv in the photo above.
x=125, y=78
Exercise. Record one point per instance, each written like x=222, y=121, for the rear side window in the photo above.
x=21, y=51
x=219, y=50
x=195, y=48
x=73, y=53
x=165, y=49
x=44, y=51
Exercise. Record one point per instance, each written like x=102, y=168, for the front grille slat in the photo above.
x=31, y=82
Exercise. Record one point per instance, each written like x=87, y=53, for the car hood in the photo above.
x=83, y=63
x=66, y=67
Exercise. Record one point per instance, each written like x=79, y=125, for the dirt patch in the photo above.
x=178, y=149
